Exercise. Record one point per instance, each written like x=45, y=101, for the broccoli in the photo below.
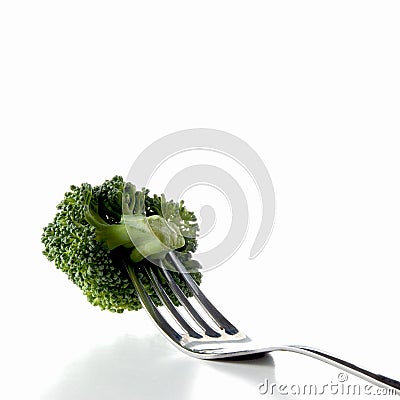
x=98, y=232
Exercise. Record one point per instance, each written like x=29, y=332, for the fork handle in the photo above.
x=337, y=362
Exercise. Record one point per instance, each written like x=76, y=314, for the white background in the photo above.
x=313, y=86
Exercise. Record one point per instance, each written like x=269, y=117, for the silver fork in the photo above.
x=199, y=338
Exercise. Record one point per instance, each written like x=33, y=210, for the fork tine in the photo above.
x=151, y=308
x=188, y=306
x=219, y=319
x=169, y=305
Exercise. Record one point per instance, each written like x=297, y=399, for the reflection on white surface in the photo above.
x=150, y=368
x=130, y=368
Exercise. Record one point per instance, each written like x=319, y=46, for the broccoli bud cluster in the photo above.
x=72, y=243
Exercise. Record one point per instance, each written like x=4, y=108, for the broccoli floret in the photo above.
x=90, y=239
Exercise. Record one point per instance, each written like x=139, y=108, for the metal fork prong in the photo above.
x=169, y=305
x=151, y=308
x=219, y=319
x=188, y=306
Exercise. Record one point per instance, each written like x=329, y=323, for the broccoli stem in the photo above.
x=147, y=236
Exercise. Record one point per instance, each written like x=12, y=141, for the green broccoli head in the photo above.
x=97, y=230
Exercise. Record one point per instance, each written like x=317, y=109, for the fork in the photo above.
x=199, y=338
